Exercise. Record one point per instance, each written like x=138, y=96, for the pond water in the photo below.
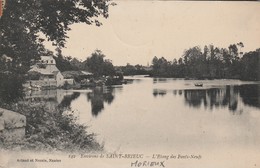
x=153, y=115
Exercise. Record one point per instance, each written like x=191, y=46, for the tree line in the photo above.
x=211, y=63
x=99, y=65
x=95, y=63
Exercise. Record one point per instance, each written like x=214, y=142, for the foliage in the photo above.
x=250, y=65
x=133, y=69
x=24, y=21
x=108, y=68
x=160, y=66
x=211, y=63
x=98, y=65
x=77, y=63
x=10, y=87
x=63, y=63
x=51, y=131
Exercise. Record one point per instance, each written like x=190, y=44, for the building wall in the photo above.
x=43, y=83
x=59, y=79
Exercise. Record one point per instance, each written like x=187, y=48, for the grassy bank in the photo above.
x=50, y=131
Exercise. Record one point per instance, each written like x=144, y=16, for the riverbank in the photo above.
x=198, y=78
x=83, y=84
x=50, y=131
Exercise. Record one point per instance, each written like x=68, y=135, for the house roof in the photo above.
x=55, y=72
x=72, y=74
x=45, y=71
x=41, y=71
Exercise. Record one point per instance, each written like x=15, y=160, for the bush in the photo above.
x=52, y=131
x=10, y=87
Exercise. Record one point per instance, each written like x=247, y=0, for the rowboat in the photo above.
x=198, y=84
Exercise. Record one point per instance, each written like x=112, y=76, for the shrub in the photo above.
x=52, y=131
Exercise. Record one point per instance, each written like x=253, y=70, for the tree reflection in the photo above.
x=195, y=97
x=67, y=99
x=159, y=92
x=159, y=80
x=98, y=96
x=250, y=94
x=223, y=97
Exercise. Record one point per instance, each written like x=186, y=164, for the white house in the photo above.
x=49, y=73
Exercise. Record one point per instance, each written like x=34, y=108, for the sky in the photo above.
x=136, y=31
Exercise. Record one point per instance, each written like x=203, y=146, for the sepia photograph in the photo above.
x=129, y=84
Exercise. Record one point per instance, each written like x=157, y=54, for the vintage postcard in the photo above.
x=129, y=84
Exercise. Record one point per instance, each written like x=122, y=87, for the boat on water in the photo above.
x=198, y=84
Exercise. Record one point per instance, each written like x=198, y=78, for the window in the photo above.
x=52, y=61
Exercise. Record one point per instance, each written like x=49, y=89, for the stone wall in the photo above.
x=12, y=125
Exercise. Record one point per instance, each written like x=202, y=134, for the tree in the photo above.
x=161, y=66
x=155, y=65
x=193, y=59
x=241, y=45
x=213, y=63
x=250, y=65
x=24, y=21
x=98, y=66
x=108, y=68
x=233, y=51
x=77, y=63
x=129, y=69
x=64, y=63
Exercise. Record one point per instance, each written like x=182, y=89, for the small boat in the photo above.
x=198, y=84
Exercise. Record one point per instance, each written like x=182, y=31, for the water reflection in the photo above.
x=159, y=92
x=194, y=97
x=159, y=80
x=228, y=96
x=214, y=97
x=98, y=96
x=225, y=96
x=51, y=99
x=250, y=95
x=66, y=101
x=63, y=99
x=175, y=92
